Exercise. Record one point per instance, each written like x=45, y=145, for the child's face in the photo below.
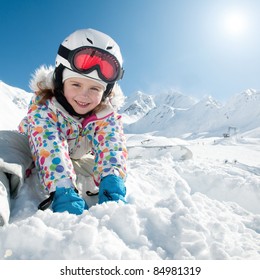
x=83, y=94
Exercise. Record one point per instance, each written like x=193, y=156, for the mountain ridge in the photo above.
x=190, y=118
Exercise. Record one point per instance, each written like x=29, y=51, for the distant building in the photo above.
x=231, y=131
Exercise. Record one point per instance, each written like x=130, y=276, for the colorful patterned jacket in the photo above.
x=56, y=137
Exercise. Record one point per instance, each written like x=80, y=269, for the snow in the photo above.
x=200, y=207
x=13, y=105
x=175, y=115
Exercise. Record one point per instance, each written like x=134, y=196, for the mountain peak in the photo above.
x=176, y=115
x=137, y=106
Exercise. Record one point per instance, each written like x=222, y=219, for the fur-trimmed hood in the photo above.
x=43, y=77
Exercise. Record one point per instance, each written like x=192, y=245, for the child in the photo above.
x=71, y=125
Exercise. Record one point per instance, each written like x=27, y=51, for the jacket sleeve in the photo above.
x=109, y=147
x=49, y=147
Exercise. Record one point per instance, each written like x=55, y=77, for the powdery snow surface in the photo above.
x=200, y=203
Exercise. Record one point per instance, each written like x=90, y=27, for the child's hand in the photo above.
x=66, y=199
x=112, y=188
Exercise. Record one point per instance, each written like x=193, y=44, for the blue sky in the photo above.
x=186, y=45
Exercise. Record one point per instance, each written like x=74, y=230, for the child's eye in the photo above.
x=76, y=85
x=95, y=89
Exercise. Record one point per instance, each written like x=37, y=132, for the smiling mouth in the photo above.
x=82, y=104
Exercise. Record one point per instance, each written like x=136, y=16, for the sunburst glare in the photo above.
x=236, y=23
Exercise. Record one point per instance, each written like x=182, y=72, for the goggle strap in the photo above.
x=63, y=52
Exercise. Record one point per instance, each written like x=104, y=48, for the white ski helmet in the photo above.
x=90, y=53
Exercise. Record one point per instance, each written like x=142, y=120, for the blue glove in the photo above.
x=111, y=188
x=66, y=199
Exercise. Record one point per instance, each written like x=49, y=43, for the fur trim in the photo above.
x=42, y=78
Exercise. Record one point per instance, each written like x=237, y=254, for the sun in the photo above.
x=236, y=23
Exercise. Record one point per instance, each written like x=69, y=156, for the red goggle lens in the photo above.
x=89, y=59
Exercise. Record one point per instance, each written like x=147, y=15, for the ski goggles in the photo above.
x=87, y=59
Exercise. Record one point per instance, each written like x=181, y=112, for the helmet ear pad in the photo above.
x=57, y=77
x=107, y=91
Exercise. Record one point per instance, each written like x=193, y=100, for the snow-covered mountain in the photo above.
x=138, y=105
x=13, y=105
x=177, y=115
x=203, y=204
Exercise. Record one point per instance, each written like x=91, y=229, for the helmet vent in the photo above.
x=90, y=41
x=109, y=48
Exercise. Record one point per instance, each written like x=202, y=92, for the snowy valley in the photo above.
x=193, y=187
